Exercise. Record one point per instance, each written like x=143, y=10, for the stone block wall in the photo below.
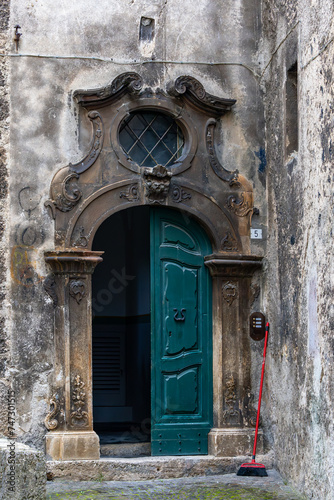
x=22, y=472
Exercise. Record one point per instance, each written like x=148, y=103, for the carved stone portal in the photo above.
x=105, y=181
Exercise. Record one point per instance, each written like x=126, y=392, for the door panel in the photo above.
x=181, y=336
x=180, y=303
x=180, y=392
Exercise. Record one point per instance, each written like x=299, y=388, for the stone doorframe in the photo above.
x=107, y=181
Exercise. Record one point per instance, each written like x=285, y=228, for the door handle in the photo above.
x=176, y=315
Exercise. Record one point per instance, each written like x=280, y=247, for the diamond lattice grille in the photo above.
x=151, y=139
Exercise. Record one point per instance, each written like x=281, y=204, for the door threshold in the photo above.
x=145, y=468
x=125, y=450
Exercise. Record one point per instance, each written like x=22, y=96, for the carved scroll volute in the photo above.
x=52, y=420
x=240, y=201
x=126, y=82
x=193, y=91
x=65, y=191
x=231, y=177
x=241, y=204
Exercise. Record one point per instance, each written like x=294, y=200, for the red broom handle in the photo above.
x=260, y=395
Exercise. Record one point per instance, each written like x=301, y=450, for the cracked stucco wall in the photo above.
x=299, y=390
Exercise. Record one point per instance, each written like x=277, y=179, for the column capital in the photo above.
x=73, y=261
x=239, y=266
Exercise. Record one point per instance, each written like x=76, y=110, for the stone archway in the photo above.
x=106, y=181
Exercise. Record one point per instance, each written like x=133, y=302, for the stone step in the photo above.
x=144, y=468
x=126, y=450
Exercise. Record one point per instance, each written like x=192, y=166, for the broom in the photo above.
x=253, y=468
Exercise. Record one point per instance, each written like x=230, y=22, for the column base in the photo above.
x=234, y=442
x=84, y=445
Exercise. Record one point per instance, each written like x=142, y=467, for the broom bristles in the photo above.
x=252, y=469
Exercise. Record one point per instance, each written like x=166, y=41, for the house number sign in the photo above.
x=256, y=234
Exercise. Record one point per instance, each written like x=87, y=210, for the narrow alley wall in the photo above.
x=298, y=45
x=4, y=227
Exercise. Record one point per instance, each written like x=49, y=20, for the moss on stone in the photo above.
x=226, y=492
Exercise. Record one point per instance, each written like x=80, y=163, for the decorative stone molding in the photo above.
x=129, y=82
x=73, y=262
x=194, y=91
x=74, y=200
x=78, y=415
x=81, y=240
x=230, y=292
x=179, y=194
x=226, y=175
x=96, y=145
x=241, y=205
x=229, y=243
x=231, y=289
x=131, y=194
x=68, y=196
x=73, y=436
x=230, y=265
x=77, y=290
x=59, y=237
x=51, y=423
x=231, y=415
x=65, y=193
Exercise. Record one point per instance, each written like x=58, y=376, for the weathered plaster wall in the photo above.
x=85, y=45
x=4, y=147
x=299, y=387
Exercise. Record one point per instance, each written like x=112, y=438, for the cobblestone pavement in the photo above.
x=228, y=486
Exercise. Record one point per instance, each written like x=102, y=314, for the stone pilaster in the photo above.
x=233, y=416
x=70, y=420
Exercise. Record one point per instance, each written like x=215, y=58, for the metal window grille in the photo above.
x=151, y=139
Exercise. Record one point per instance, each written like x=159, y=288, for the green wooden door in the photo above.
x=181, y=336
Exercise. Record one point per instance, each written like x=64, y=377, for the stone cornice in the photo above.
x=233, y=265
x=73, y=262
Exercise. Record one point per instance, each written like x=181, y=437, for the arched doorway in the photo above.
x=108, y=180
x=152, y=334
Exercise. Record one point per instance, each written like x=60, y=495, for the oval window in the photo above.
x=151, y=138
